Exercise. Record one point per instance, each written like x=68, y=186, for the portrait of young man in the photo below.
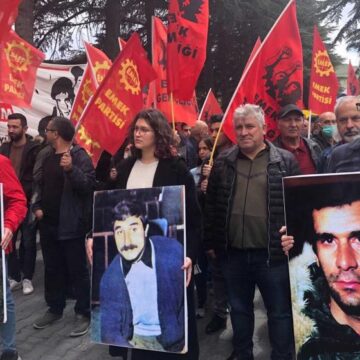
x=323, y=218
x=141, y=291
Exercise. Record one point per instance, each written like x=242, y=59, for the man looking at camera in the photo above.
x=148, y=266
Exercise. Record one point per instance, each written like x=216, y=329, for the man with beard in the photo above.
x=346, y=158
x=22, y=151
x=330, y=308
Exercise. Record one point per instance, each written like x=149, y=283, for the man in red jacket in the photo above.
x=14, y=213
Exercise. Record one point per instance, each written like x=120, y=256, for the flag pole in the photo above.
x=309, y=125
x=247, y=68
x=203, y=107
x=172, y=110
x=152, y=84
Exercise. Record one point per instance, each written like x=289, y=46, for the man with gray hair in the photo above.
x=348, y=127
x=243, y=214
x=346, y=158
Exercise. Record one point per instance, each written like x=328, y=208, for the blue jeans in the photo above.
x=7, y=330
x=243, y=269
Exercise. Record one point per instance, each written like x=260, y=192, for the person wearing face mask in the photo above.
x=348, y=127
x=328, y=129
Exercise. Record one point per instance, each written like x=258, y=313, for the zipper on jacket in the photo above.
x=228, y=211
x=246, y=194
x=268, y=217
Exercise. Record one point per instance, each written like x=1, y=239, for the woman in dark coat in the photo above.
x=153, y=165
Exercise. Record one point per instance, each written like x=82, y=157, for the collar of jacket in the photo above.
x=232, y=154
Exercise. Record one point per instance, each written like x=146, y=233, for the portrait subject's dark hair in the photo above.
x=18, y=116
x=64, y=127
x=63, y=85
x=164, y=138
x=126, y=208
x=301, y=201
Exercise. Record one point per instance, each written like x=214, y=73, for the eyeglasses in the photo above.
x=49, y=130
x=142, y=130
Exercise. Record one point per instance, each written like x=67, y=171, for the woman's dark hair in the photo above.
x=208, y=142
x=164, y=138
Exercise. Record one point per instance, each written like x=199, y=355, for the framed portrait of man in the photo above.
x=323, y=216
x=138, y=285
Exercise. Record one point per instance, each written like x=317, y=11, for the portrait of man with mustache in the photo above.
x=142, y=290
x=327, y=314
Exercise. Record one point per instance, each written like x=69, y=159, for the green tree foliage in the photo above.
x=59, y=25
x=332, y=11
x=233, y=30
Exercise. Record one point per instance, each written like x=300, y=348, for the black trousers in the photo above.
x=62, y=260
x=23, y=265
x=193, y=343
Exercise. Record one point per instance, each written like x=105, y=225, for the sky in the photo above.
x=353, y=56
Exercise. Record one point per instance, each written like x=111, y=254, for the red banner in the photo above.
x=323, y=81
x=353, y=84
x=184, y=111
x=5, y=111
x=274, y=77
x=98, y=61
x=210, y=107
x=186, y=48
x=18, y=63
x=119, y=97
x=98, y=66
x=86, y=91
x=8, y=14
x=253, y=52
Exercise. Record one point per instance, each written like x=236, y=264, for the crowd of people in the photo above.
x=234, y=212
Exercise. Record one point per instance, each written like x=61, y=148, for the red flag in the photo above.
x=253, y=52
x=119, y=97
x=186, y=49
x=8, y=14
x=18, y=63
x=86, y=91
x=184, y=110
x=98, y=66
x=353, y=85
x=98, y=61
x=274, y=77
x=210, y=107
x=323, y=81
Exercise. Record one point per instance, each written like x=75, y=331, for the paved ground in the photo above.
x=54, y=344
